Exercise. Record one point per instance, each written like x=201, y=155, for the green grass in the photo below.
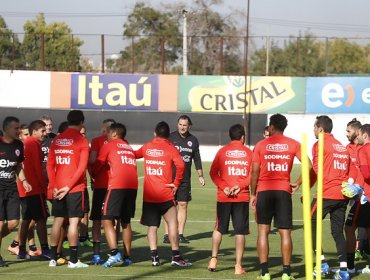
x=199, y=229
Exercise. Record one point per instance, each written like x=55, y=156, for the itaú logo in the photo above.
x=154, y=153
x=236, y=154
x=334, y=95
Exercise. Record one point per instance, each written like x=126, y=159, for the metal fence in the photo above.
x=206, y=55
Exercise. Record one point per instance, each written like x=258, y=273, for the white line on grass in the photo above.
x=103, y=275
x=213, y=221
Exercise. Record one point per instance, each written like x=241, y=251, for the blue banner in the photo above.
x=338, y=95
x=114, y=92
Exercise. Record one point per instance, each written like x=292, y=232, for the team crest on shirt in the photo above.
x=154, y=153
x=17, y=152
x=190, y=143
x=236, y=154
x=64, y=142
x=339, y=148
x=277, y=147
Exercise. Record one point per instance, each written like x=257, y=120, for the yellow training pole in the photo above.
x=306, y=209
x=319, y=205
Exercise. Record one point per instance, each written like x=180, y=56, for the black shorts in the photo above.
x=359, y=215
x=86, y=201
x=97, y=203
x=277, y=205
x=239, y=213
x=34, y=207
x=183, y=193
x=9, y=205
x=152, y=212
x=71, y=206
x=119, y=203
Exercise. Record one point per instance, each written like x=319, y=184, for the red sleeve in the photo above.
x=364, y=165
x=100, y=160
x=34, y=155
x=82, y=165
x=215, y=173
x=365, y=172
x=50, y=167
x=314, y=169
x=139, y=153
x=180, y=166
x=245, y=182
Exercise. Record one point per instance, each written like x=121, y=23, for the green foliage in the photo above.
x=9, y=48
x=61, y=49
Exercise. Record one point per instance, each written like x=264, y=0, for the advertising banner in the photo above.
x=114, y=92
x=226, y=94
x=339, y=95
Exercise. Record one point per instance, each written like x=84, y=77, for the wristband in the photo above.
x=24, y=180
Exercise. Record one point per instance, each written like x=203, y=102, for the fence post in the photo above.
x=297, y=58
x=102, y=52
x=162, y=55
x=132, y=55
x=326, y=55
x=13, y=51
x=221, y=55
x=42, y=52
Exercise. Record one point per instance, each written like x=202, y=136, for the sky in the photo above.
x=326, y=18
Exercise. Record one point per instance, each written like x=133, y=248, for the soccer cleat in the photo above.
x=212, y=264
x=179, y=261
x=35, y=253
x=358, y=255
x=87, y=243
x=127, y=261
x=13, y=250
x=62, y=261
x=52, y=263
x=165, y=239
x=96, y=260
x=342, y=274
x=23, y=255
x=239, y=270
x=2, y=262
x=264, y=277
x=183, y=239
x=350, y=271
x=78, y=264
x=287, y=277
x=325, y=269
x=46, y=254
x=156, y=261
x=112, y=260
x=366, y=270
x=66, y=244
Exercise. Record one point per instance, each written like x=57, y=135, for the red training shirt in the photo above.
x=32, y=166
x=67, y=161
x=159, y=157
x=122, y=162
x=352, y=149
x=364, y=163
x=230, y=168
x=275, y=155
x=100, y=178
x=336, y=166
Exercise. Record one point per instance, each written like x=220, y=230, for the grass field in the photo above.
x=199, y=229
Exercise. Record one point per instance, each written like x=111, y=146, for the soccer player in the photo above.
x=271, y=191
x=45, y=145
x=11, y=157
x=266, y=132
x=66, y=167
x=33, y=202
x=188, y=146
x=230, y=173
x=363, y=139
x=119, y=202
x=159, y=189
x=336, y=170
x=24, y=132
x=99, y=184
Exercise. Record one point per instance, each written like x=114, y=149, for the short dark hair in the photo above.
x=23, y=126
x=279, y=122
x=325, y=123
x=365, y=128
x=62, y=127
x=46, y=118
x=36, y=125
x=162, y=130
x=119, y=128
x=354, y=123
x=236, y=132
x=75, y=117
x=185, y=117
x=109, y=121
x=8, y=120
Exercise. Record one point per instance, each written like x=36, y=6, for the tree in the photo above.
x=61, y=49
x=9, y=48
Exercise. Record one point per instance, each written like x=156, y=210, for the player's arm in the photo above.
x=254, y=180
x=215, y=173
x=198, y=163
x=50, y=169
x=364, y=167
x=180, y=167
x=22, y=177
x=314, y=169
x=139, y=153
x=100, y=160
x=81, y=167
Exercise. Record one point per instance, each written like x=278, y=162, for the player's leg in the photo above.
x=128, y=208
x=95, y=215
x=183, y=196
x=240, y=219
x=350, y=231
